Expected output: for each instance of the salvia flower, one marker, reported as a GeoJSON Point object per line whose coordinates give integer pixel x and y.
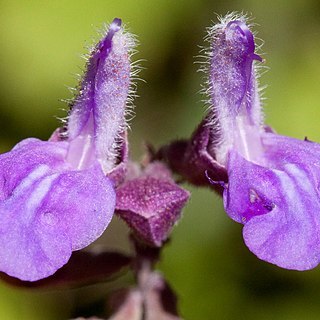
{"type": "Point", "coordinates": [55, 196]}
{"type": "Point", "coordinates": [273, 181]}
{"type": "Point", "coordinates": [270, 183]}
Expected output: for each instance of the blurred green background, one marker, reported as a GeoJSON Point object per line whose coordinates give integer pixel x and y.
{"type": "Point", "coordinates": [214, 274]}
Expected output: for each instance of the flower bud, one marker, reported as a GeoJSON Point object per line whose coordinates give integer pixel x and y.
{"type": "Point", "coordinates": [151, 204]}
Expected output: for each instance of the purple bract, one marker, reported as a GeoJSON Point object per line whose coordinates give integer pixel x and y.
{"type": "Point", "coordinates": [55, 196]}
{"type": "Point", "coordinates": [150, 202]}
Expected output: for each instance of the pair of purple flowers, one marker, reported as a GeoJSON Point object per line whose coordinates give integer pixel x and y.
{"type": "Point", "coordinates": [58, 196]}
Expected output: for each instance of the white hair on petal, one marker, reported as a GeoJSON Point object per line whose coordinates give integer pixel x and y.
{"type": "Point", "coordinates": [131, 43]}
{"type": "Point", "coordinates": [204, 60]}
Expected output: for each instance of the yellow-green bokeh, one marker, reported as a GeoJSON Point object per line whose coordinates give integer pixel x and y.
{"type": "Point", "coordinates": [215, 276]}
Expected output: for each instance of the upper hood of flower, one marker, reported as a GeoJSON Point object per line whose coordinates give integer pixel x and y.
{"type": "Point", "coordinates": [97, 118]}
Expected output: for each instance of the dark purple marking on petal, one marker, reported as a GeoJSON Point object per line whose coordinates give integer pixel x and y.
{"type": "Point", "coordinates": [243, 199]}
{"type": "Point", "coordinates": [245, 31]}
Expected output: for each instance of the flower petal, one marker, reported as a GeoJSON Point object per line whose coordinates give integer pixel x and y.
{"type": "Point", "coordinates": [235, 111]}
{"type": "Point", "coordinates": [25, 157]}
{"type": "Point", "coordinates": [97, 118]}
{"type": "Point", "coordinates": [46, 210]}
{"type": "Point", "coordinates": [280, 150]}
{"type": "Point", "coordinates": [280, 209]}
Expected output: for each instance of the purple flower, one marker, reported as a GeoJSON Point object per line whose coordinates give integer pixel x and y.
{"type": "Point", "coordinates": [55, 196]}
{"type": "Point", "coordinates": [270, 183]}
{"type": "Point", "coordinates": [273, 181]}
